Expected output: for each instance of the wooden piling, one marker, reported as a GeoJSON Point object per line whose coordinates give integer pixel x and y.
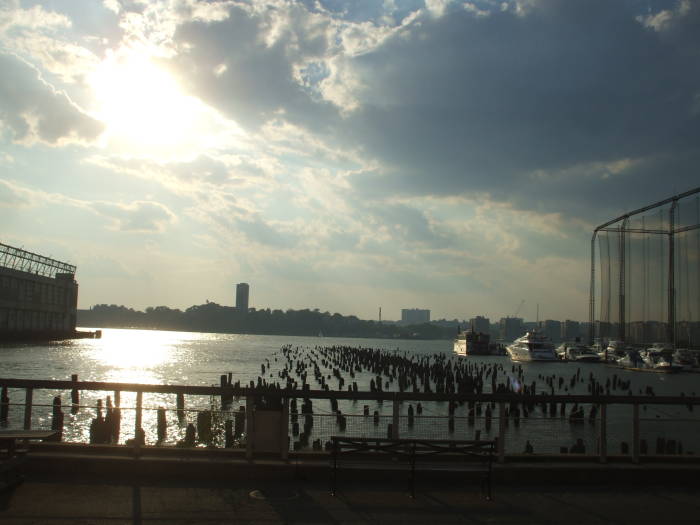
{"type": "Point", "coordinates": [161, 423]}
{"type": "Point", "coordinates": [57, 419]}
{"type": "Point", "coordinates": [74, 395]}
{"type": "Point", "coordinates": [180, 402]}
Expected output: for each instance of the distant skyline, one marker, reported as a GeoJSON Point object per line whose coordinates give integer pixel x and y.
{"type": "Point", "coordinates": [341, 155]}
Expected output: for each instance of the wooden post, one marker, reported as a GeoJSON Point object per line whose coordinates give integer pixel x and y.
{"type": "Point", "coordinates": [501, 432]}
{"type": "Point", "coordinates": [603, 433]}
{"type": "Point", "coordinates": [117, 398]}
{"type": "Point", "coordinates": [635, 433]}
{"type": "Point", "coordinates": [250, 424]}
{"type": "Point", "coordinates": [284, 429]}
{"type": "Point", "coordinates": [396, 409]}
{"type": "Point", "coordinates": [28, 408]}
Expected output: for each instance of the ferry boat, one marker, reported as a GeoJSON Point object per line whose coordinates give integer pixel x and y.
{"type": "Point", "coordinates": [533, 346]}
{"type": "Point", "coordinates": [470, 342]}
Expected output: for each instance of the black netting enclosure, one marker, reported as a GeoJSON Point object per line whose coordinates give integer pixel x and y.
{"type": "Point", "coordinates": [645, 275]}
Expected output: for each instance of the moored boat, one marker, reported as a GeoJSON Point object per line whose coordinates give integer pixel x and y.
{"type": "Point", "coordinates": [533, 346]}
{"type": "Point", "coordinates": [577, 352]}
{"type": "Point", "coordinates": [471, 342]}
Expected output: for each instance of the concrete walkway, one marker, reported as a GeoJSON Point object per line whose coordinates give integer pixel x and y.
{"type": "Point", "coordinates": [49, 501]}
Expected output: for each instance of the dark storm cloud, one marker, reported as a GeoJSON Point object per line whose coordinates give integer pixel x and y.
{"type": "Point", "coordinates": [576, 107]}
{"type": "Point", "coordinates": [244, 67]}
{"type": "Point", "coordinates": [477, 104]}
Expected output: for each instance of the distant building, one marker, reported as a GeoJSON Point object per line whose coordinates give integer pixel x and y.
{"type": "Point", "coordinates": [511, 328]}
{"type": "Point", "coordinates": [480, 324]}
{"type": "Point", "coordinates": [38, 296]}
{"type": "Point", "coordinates": [414, 316]}
{"type": "Point", "coordinates": [552, 329]}
{"type": "Point", "coordinates": [242, 292]}
{"type": "Point", "coordinates": [570, 330]}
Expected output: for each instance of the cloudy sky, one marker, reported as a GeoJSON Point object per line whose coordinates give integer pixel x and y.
{"type": "Point", "coordinates": [341, 155]}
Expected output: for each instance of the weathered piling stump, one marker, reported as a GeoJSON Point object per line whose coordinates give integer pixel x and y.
{"type": "Point", "coordinates": [161, 425]}
{"type": "Point", "coordinates": [228, 432]}
{"type": "Point", "coordinates": [57, 419]}
{"type": "Point", "coordinates": [204, 433]}
{"type": "Point", "coordinates": [74, 395]}
{"type": "Point", "coordinates": [239, 423]}
{"type": "Point", "coordinates": [180, 403]}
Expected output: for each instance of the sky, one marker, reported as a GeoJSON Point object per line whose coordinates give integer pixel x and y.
{"type": "Point", "coordinates": [341, 155]}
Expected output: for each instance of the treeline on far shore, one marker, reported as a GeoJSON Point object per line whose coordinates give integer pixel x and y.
{"type": "Point", "coordinates": [212, 317]}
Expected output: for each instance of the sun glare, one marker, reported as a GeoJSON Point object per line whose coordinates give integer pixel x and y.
{"type": "Point", "coordinates": [145, 110]}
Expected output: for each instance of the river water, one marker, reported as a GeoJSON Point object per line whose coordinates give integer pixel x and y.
{"type": "Point", "coordinates": [162, 357]}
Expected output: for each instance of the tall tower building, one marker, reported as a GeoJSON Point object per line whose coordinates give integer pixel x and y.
{"type": "Point", "coordinates": [242, 291]}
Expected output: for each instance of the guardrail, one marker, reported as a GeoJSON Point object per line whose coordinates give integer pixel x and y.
{"type": "Point", "coordinates": [505, 416]}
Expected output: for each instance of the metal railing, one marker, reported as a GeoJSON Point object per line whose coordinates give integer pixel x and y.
{"type": "Point", "coordinates": [630, 426]}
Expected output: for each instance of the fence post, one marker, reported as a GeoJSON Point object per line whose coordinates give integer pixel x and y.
{"type": "Point", "coordinates": [29, 394]}
{"type": "Point", "coordinates": [250, 424]}
{"type": "Point", "coordinates": [603, 433]}
{"type": "Point", "coordinates": [137, 425]}
{"type": "Point", "coordinates": [635, 433]}
{"type": "Point", "coordinates": [284, 429]}
{"type": "Point", "coordinates": [395, 419]}
{"type": "Point", "coordinates": [501, 432]}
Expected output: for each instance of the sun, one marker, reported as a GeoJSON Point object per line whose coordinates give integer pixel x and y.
{"type": "Point", "coordinates": [145, 111]}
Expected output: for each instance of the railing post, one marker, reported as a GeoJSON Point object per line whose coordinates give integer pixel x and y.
{"type": "Point", "coordinates": [137, 424]}
{"type": "Point", "coordinates": [250, 424]}
{"type": "Point", "coordinates": [396, 409]}
{"type": "Point", "coordinates": [635, 433]}
{"type": "Point", "coordinates": [29, 394]}
{"type": "Point", "coordinates": [603, 433]}
{"type": "Point", "coordinates": [501, 432]}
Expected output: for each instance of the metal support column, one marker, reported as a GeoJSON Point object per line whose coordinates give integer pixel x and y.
{"type": "Point", "coordinates": [671, 274]}
{"type": "Point", "coordinates": [635, 433]}
{"type": "Point", "coordinates": [29, 394]}
{"type": "Point", "coordinates": [395, 419]}
{"type": "Point", "coordinates": [603, 433]}
{"type": "Point", "coordinates": [501, 432]}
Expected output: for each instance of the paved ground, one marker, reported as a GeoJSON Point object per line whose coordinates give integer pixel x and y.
{"type": "Point", "coordinates": [49, 501]}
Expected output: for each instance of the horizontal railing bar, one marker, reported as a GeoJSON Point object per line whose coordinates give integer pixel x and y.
{"type": "Point", "coordinates": [48, 384]}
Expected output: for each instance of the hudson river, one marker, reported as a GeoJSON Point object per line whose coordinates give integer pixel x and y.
{"type": "Point", "coordinates": [145, 356]}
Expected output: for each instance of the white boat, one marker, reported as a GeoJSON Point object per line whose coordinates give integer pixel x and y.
{"type": "Point", "coordinates": [577, 352]}
{"type": "Point", "coordinates": [686, 358]}
{"type": "Point", "coordinates": [614, 351]}
{"type": "Point", "coordinates": [631, 359]}
{"type": "Point", "coordinates": [659, 357]}
{"type": "Point", "coordinates": [533, 346]}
